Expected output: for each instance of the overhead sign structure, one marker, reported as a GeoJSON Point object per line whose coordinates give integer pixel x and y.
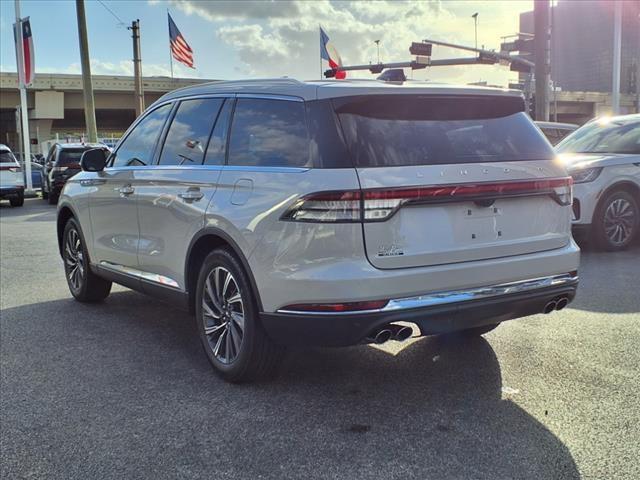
{"type": "Point", "coordinates": [422, 51]}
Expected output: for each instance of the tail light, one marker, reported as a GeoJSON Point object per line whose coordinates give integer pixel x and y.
{"type": "Point", "coordinates": [12, 169]}
{"type": "Point", "coordinates": [380, 204]}
{"type": "Point", "coordinates": [335, 207]}
{"type": "Point", "coordinates": [59, 169]}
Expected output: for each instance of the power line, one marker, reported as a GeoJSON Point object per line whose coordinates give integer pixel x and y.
{"type": "Point", "coordinates": [120, 22]}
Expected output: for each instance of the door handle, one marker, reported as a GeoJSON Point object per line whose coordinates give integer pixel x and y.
{"type": "Point", "coordinates": [126, 190]}
{"type": "Point", "coordinates": [191, 195]}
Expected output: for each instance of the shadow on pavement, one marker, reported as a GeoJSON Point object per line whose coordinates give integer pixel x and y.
{"type": "Point", "coordinates": [33, 210]}
{"type": "Point", "coordinates": [612, 280]}
{"type": "Point", "coordinates": [123, 389]}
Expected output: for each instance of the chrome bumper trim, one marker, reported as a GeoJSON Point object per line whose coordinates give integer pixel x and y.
{"type": "Point", "coordinates": [458, 296]}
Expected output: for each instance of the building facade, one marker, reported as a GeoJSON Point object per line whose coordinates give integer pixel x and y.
{"type": "Point", "coordinates": [582, 44]}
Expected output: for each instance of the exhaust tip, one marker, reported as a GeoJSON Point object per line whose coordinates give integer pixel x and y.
{"type": "Point", "coordinates": [561, 303]}
{"type": "Point", "coordinates": [403, 333]}
{"type": "Point", "coordinates": [549, 307]}
{"type": "Point", "coordinates": [382, 336]}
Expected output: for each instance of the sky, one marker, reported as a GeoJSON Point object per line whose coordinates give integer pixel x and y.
{"type": "Point", "coordinates": [254, 39]}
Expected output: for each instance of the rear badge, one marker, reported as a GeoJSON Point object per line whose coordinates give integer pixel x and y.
{"type": "Point", "coordinates": [390, 251]}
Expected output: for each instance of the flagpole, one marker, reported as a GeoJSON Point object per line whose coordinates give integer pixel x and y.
{"type": "Point", "coordinates": [319, 29]}
{"type": "Point", "coordinates": [24, 114]}
{"type": "Point", "coordinates": [170, 54]}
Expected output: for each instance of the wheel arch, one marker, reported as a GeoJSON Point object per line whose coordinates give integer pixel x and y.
{"type": "Point", "coordinates": [201, 245]}
{"type": "Point", "coordinates": [64, 214]}
{"type": "Point", "coordinates": [621, 185]}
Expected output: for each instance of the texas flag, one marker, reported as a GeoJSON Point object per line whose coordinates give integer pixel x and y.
{"type": "Point", "coordinates": [329, 53]}
{"type": "Point", "coordinates": [26, 65]}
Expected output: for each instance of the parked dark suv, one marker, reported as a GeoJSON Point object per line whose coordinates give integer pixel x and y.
{"type": "Point", "coordinates": [62, 163]}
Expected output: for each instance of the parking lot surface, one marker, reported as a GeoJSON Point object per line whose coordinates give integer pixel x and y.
{"type": "Point", "coordinates": [123, 390]}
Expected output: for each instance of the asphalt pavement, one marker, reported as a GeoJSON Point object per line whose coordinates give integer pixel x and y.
{"type": "Point", "coordinates": [123, 389]}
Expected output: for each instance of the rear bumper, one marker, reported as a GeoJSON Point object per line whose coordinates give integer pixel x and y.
{"type": "Point", "coordinates": [437, 313]}
{"type": "Point", "coordinates": [11, 191]}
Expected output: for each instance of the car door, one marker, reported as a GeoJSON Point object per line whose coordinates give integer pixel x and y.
{"type": "Point", "coordinates": [113, 200]}
{"type": "Point", "coordinates": [173, 194]}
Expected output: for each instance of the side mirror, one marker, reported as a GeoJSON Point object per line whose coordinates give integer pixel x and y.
{"type": "Point", "coordinates": [94, 160]}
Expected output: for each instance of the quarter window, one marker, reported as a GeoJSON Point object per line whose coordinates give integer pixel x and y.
{"type": "Point", "coordinates": [269, 133]}
{"type": "Point", "coordinates": [137, 149]}
{"type": "Point", "coordinates": [189, 132]}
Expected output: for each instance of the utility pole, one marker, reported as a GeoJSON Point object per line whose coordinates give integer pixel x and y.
{"type": "Point", "coordinates": [377, 42]}
{"type": "Point", "coordinates": [24, 114]}
{"type": "Point", "coordinates": [475, 22]}
{"type": "Point", "coordinates": [87, 87]}
{"type": "Point", "coordinates": [617, 43]}
{"type": "Point", "coordinates": [137, 67]}
{"type": "Point", "coordinates": [541, 49]}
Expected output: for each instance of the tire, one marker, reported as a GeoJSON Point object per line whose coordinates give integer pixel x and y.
{"type": "Point", "coordinates": [17, 201]}
{"type": "Point", "coordinates": [83, 284]}
{"type": "Point", "coordinates": [45, 191]}
{"type": "Point", "coordinates": [52, 198]}
{"type": "Point", "coordinates": [228, 322]}
{"type": "Point", "coordinates": [616, 221]}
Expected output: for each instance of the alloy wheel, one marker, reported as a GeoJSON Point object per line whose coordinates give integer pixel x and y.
{"type": "Point", "coordinates": [619, 220]}
{"type": "Point", "coordinates": [74, 259]}
{"type": "Point", "coordinates": [223, 314]}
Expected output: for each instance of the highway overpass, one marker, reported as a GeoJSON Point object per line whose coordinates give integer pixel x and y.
{"type": "Point", "coordinates": [56, 105]}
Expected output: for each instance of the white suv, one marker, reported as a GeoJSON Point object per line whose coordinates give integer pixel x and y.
{"type": "Point", "coordinates": [11, 178]}
{"type": "Point", "coordinates": [322, 213]}
{"type": "Point", "coordinates": [603, 157]}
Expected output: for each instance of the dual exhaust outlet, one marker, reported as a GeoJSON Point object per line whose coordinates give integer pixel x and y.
{"type": "Point", "coordinates": [401, 333]}
{"type": "Point", "coordinates": [557, 304]}
{"type": "Point", "coordinates": [392, 331]}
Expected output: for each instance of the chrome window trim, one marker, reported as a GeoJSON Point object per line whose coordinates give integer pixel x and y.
{"type": "Point", "coordinates": [216, 168]}
{"type": "Point", "coordinates": [458, 296]}
{"type": "Point", "coordinates": [151, 277]}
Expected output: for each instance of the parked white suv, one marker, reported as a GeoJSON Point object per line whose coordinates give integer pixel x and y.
{"type": "Point", "coordinates": [322, 213]}
{"type": "Point", "coordinates": [11, 178]}
{"type": "Point", "coordinates": [603, 157]}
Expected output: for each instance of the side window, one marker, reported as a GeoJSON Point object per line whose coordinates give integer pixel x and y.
{"type": "Point", "coordinates": [189, 132]}
{"type": "Point", "coordinates": [217, 148]}
{"type": "Point", "coordinates": [137, 149]}
{"type": "Point", "coordinates": [269, 133]}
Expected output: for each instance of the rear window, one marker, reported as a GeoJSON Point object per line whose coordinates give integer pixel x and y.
{"type": "Point", "coordinates": [6, 157]}
{"type": "Point", "coordinates": [69, 156]}
{"type": "Point", "coordinates": [387, 131]}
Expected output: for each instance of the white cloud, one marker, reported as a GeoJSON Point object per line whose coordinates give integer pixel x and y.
{"type": "Point", "coordinates": [281, 38]}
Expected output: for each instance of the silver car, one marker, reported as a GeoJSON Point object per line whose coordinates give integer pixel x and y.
{"type": "Point", "coordinates": [323, 213]}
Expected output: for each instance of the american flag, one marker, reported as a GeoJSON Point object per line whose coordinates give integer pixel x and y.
{"type": "Point", "coordinates": [180, 49]}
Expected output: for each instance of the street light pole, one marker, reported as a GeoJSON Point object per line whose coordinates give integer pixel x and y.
{"type": "Point", "coordinates": [24, 114]}
{"type": "Point", "coordinates": [617, 43]}
{"type": "Point", "coordinates": [377, 42]}
{"type": "Point", "coordinates": [475, 21]}
{"type": "Point", "coordinates": [541, 52]}
{"type": "Point", "coordinates": [87, 87]}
